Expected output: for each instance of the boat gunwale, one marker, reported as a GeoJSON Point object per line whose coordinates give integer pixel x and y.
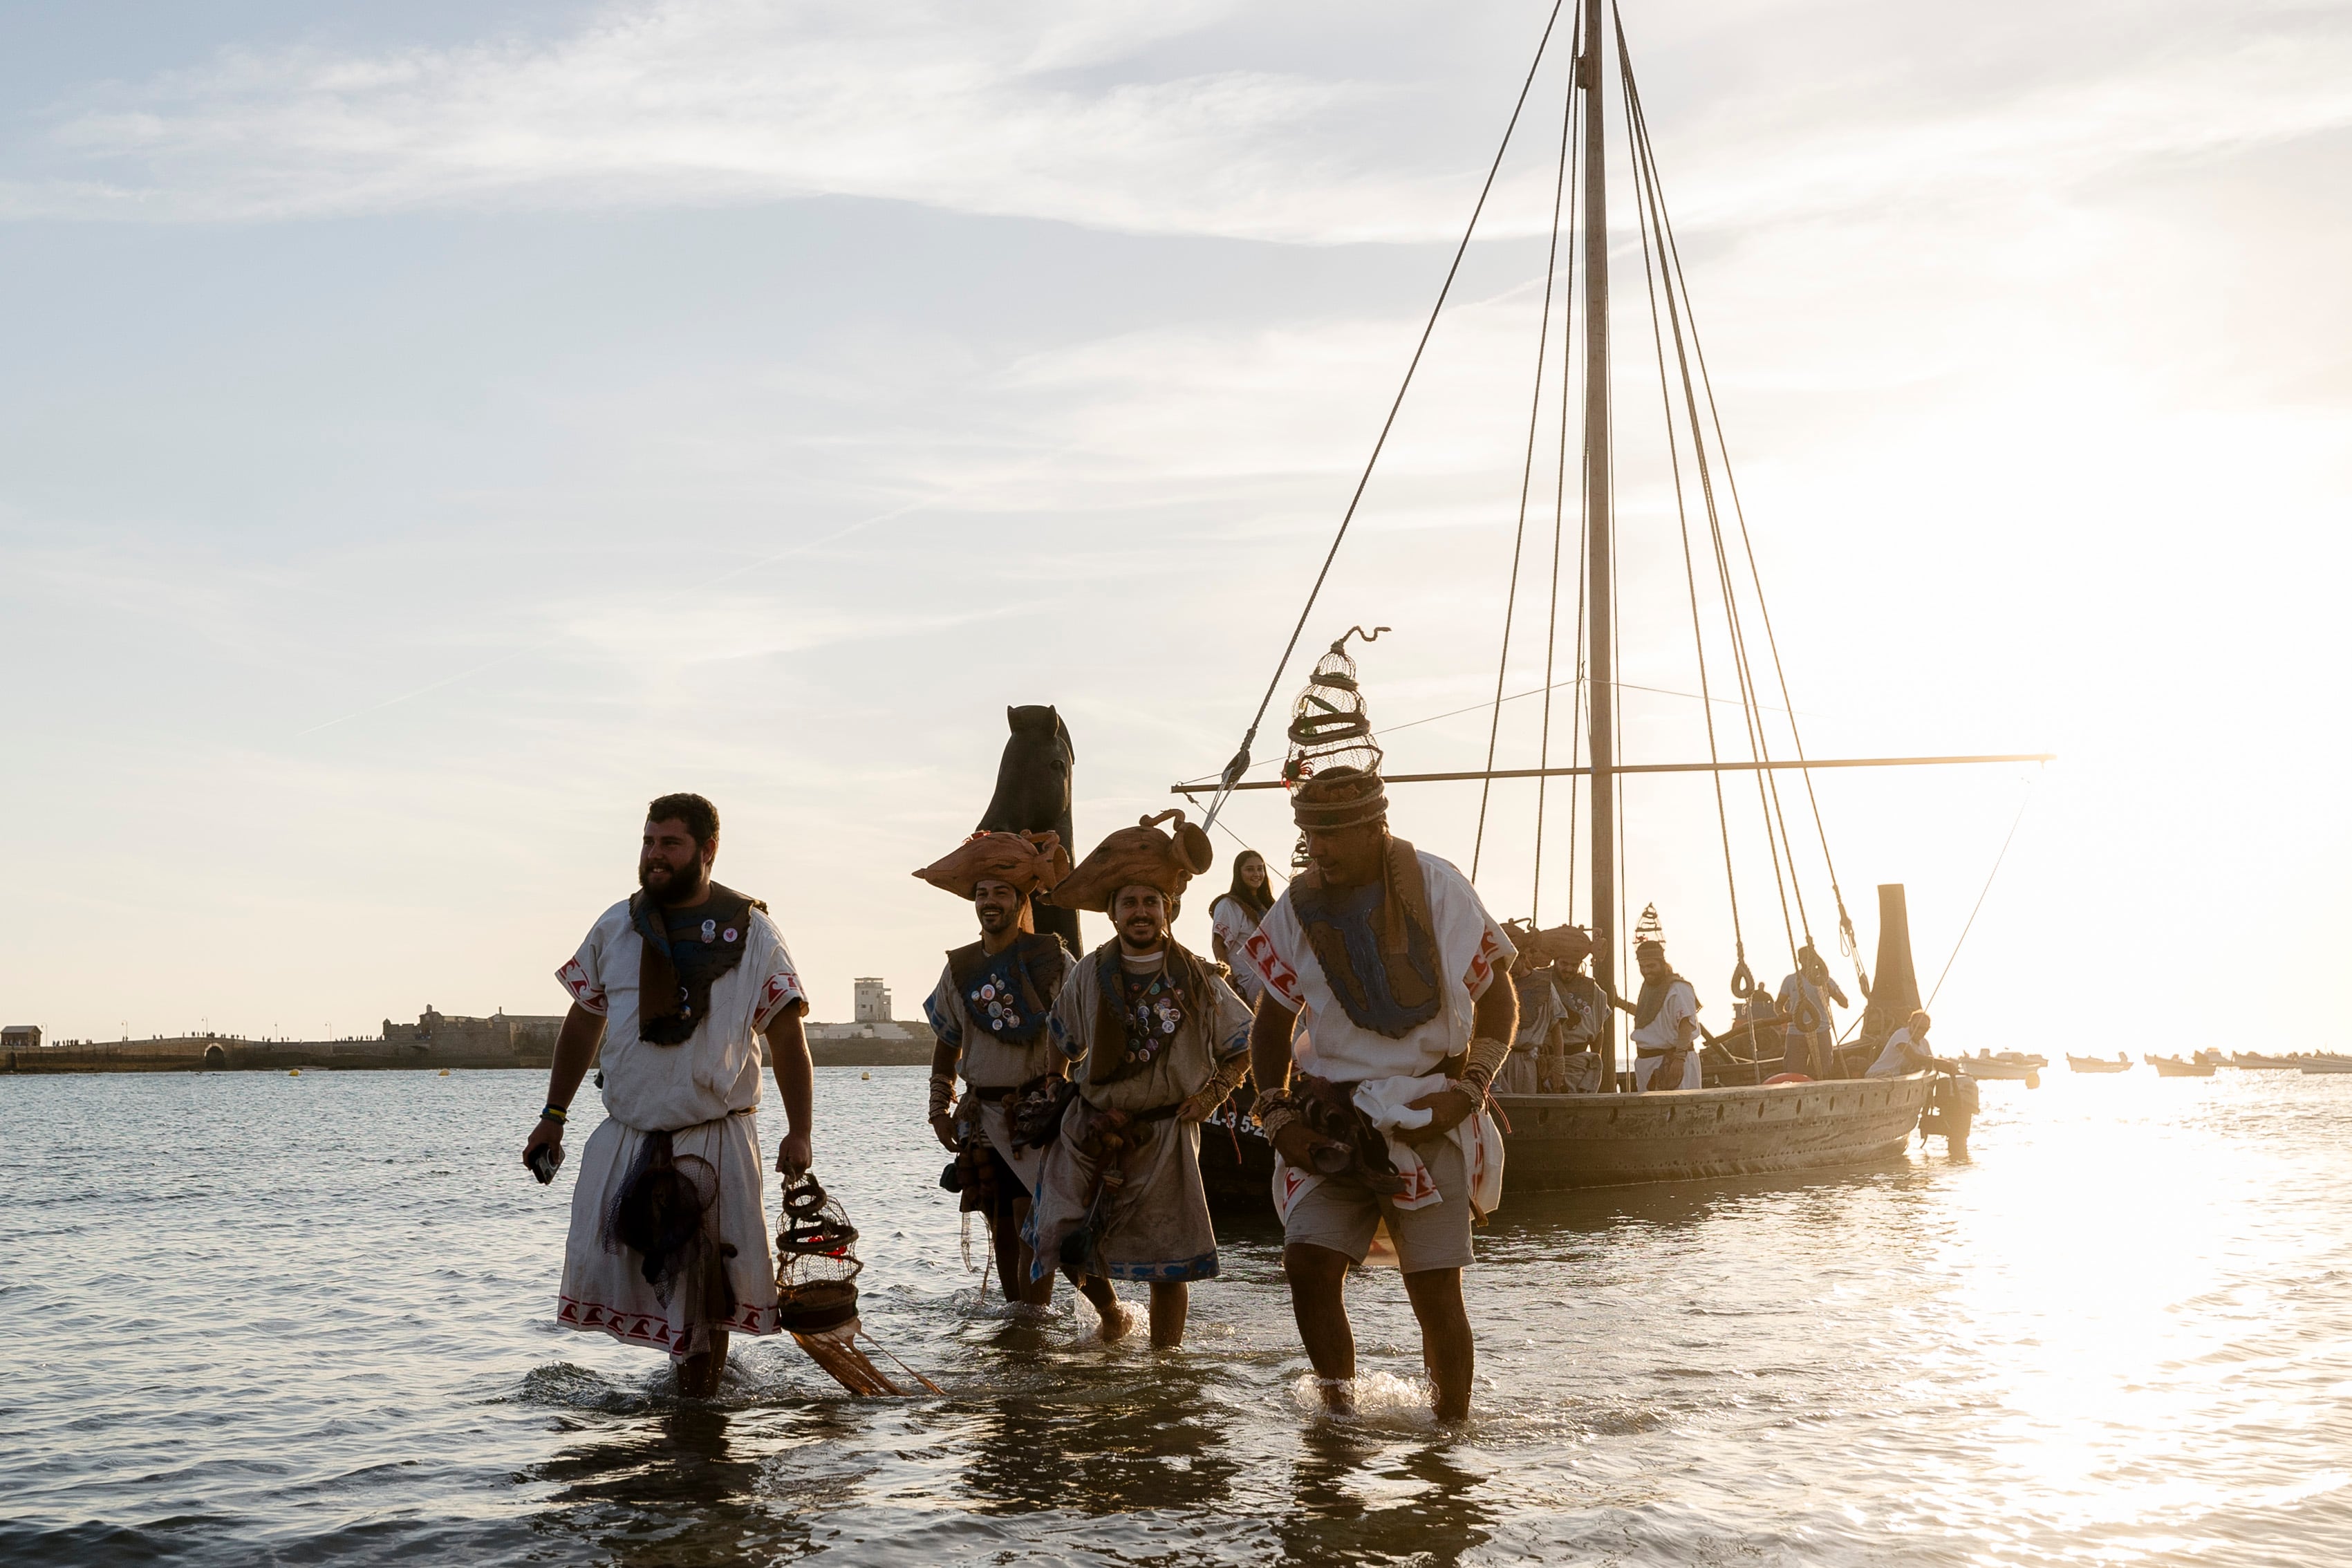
{"type": "Point", "coordinates": [1730, 1091]}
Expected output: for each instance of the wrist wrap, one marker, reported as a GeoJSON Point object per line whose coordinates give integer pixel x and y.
{"type": "Point", "coordinates": [1486, 1059]}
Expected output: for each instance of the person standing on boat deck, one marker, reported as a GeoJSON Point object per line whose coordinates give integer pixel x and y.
{"type": "Point", "coordinates": [1157, 1043]}
{"type": "Point", "coordinates": [1381, 968]}
{"type": "Point", "coordinates": [1534, 978]}
{"type": "Point", "coordinates": [668, 1245]}
{"type": "Point", "coordinates": [1665, 1024]}
{"type": "Point", "coordinates": [1234, 919]}
{"type": "Point", "coordinates": [989, 1013]}
{"type": "Point", "coordinates": [1811, 1035]}
{"type": "Point", "coordinates": [1585, 1014]}
{"type": "Point", "coordinates": [1562, 1011]}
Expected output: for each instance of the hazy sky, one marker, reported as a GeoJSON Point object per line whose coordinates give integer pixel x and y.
{"type": "Point", "coordinates": [428, 431]}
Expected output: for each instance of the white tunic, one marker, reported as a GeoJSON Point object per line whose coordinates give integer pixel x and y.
{"type": "Point", "coordinates": [1662, 1033]}
{"type": "Point", "coordinates": [1471, 948]}
{"type": "Point", "coordinates": [1230, 918]}
{"type": "Point", "coordinates": [1900, 1054]}
{"type": "Point", "coordinates": [1471, 951]}
{"type": "Point", "coordinates": [704, 1092]}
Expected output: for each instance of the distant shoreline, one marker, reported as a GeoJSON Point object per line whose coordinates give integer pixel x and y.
{"type": "Point", "coordinates": [369, 1055]}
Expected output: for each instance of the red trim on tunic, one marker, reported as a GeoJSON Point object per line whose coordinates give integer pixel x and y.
{"type": "Point", "coordinates": [645, 1329]}
{"type": "Point", "coordinates": [778, 992]}
{"type": "Point", "coordinates": [589, 994]}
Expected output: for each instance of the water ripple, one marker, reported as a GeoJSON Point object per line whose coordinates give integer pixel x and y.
{"type": "Point", "coordinates": [313, 1327]}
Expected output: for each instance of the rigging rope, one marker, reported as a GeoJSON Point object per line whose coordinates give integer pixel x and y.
{"type": "Point", "coordinates": [1558, 518]}
{"type": "Point", "coordinates": [1980, 894]}
{"type": "Point", "coordinates": [1526, 478]}
{"type": "Point", "coordinates": [1239, 763]}
{"type": "Point", "coordinates": [1848, 944]}
{"type": "Point", "coordinates": [1690, 577]}
{"type": "Point", "coordinates": [1778, 843]}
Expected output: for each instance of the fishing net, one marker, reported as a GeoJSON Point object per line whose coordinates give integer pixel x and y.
{"type": "Point", "coordinates": [817, 1292]}
{"type": "Point", "coordinates": [666, 1211]}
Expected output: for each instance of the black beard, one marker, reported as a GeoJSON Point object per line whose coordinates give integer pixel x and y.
{"type": "Point", "coordinates": [671, 894]}
{"type": "Point", "coordinates": [1156, 940]}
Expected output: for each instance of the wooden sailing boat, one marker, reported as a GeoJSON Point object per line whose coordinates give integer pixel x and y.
{"type": "Point", "coordinates": [1739, 1125]}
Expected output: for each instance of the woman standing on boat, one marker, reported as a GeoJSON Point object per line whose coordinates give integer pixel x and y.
{"type": "Point", "coordinates": [1234, 919]}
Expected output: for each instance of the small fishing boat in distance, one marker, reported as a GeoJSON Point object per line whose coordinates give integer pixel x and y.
{"type": "Point", "coordinates": [2315, 1065]}
{"type": "Point", "coordinates": [2018, 1067]}
{"type": "Point", "coordinates": [2249, 1061]}
{"type": "Point", "coordinates": [2173, 1067]}
{"type": "Point", "coordinates": [2099, 1064]}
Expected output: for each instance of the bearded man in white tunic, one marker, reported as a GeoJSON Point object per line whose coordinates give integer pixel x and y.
{"type": "Point", "coordinates": [668, 1247]}
{"type": "Point", "coordinates": [1386, 990]}
{"type": "Point", "coordinates": [1666, 1020]}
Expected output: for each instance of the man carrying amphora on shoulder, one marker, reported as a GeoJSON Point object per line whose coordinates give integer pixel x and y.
{"type": "Point", "coordinates": [1156, 1042]}
{"type": "Point", "coordinates": [669, 1246]}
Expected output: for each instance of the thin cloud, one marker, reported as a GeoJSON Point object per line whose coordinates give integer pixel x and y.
{"type": "Point", "coordinates": [1061, 114]}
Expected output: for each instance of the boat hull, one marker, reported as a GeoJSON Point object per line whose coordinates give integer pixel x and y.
{"type": "Point", "coordinates": [1558, 1142]}
{"type": "Point", "coordinates": [2165, 1069]}
{"type": "Point", "coordinates": [2097, 1064]}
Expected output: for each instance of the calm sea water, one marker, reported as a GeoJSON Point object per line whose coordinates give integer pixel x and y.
{"type": "Point", "coordinates": [256, 1319]}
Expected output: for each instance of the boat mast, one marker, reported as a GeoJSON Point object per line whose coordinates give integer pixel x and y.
{"type": "Point", "coordinates": [1599, 576]}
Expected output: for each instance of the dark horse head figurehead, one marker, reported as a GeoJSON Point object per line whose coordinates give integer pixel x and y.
{"type": "Point", "coordinates": [1033, 794]}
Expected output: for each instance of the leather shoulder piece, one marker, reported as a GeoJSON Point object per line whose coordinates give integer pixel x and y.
{"type": "Point", "coordinates": [1410, 882]}
{"type": "Point", "coordinates": [1039, 947]}
{"type": "Point", "coordinates": [965, 963]}
{"type": "Point", "coordinates": [735, 903]}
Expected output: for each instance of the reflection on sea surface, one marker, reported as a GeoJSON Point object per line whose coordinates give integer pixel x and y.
{"type": "Point", "coordinates": [2123, 1334]}
{"type": "Point", "coordinates": [1359, 1502]}
{"type": "Point", "coordinates": [669, 1490]}
{"type": "Point", "coordinates": [1103, 1450]}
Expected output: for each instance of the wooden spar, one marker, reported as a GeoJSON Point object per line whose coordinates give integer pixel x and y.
{"type": "Point", "coordinates": [1661, 768]}
{"type": "Point", "coordinates": [1601, 577]}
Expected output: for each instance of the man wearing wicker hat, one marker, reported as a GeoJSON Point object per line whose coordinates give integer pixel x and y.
{"type": "Point", "coordinates": [1157, 1042]}
{"type": "Point", "coordinates": [989, 1013]}
{"type": "Point", "coordinates": [1381, 970]}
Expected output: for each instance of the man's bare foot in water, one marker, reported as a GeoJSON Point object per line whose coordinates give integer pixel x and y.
{"type": "Point", "coordinates": [1116, 1318]}
{"type": "Point", "coordinates": [1339, 1395]}
{"type": "Point", "coordinates": [698, 1374]}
